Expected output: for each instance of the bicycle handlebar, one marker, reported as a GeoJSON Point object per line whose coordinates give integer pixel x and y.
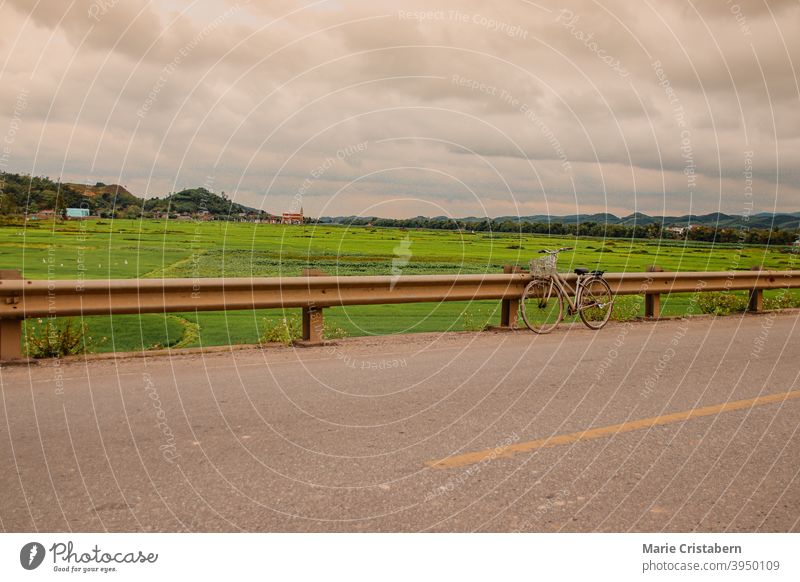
{"type": "Point", "coordinates": [555, 252]}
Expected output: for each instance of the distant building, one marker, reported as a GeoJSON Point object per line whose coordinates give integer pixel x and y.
{"type": "Point", "coordinates": [680, 230]}
{"type": "Point", "coordinates": [77, 213]}
{"type": "Point", "coordinates": [292, 218]}
{"type": "Point", "coordinates": [42, 215]}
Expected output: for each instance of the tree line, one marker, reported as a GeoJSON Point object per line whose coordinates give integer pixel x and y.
{"type": "Point", "coordinates": [706, 233]}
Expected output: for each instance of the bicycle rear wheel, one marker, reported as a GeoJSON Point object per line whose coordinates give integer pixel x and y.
{"type": "Point", "coordinates": [541, 306]}
{"type": "Point", "coordinates": [595, 302]}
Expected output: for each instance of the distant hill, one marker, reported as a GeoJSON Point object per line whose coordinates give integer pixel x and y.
{"type": "Point", "coordinates": [31, 194]}
{"type": "Point", "coordinates": [25, 194]}
{"type": "Point", "coordinates": [194, 200]}
{"type": "Point", "coordinates": [104, 196]}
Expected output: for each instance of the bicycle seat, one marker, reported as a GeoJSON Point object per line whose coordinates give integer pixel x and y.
{"type": "Point", "coordinates": [581, 271]}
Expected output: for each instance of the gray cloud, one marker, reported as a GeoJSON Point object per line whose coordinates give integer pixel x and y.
{"type": "Point", "coordinates": [522, 103]}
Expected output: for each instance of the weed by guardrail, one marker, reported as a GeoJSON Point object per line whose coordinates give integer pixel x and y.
{"type": "Point", "coordinates": [721, 303]}
{"type": "Point", "coordinates": [332, 331]}
{"type": "Point", "coordinates": [784, 300]}
{"type": "Point", "coordinates": [288, 330]}
{"type": "Point", "coordinates": [476, 320]}
{"type": "Point", "coordinates": [283, 331]}
{"type": "Point", "coordinates": [627, 308]}
{"type": "Point", "coordinates": [48, 339]}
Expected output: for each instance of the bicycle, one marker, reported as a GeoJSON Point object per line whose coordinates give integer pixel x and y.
{"type": "Point", "coordinates": [542, 303]}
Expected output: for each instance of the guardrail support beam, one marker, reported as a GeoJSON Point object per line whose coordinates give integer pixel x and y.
{"type": "Point", "coordinates": [313, 325]}
{"type": "Point", "coordinates": [652, 305]}
{"type": "Point", "coordinates": [509, 308]}
{"type": "Point", "coordinates": [10, 328]}
{"type": "Point", "coordinates": [755, 301]}
{"type": "Point", "coordinates": [652, 301]}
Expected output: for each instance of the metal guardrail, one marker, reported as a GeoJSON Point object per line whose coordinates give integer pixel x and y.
{"type": "Point", "coordinates": [24, 298]}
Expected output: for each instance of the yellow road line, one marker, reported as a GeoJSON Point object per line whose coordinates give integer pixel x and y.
{"type": "Point", "coordinates": [596, 433]}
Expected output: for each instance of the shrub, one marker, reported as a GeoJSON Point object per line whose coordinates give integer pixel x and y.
{"type": "Point", "coordinates": [723, 303]}
{"type": "Point", "coordinates": [48, 339]}
{"type": "Point", "coordinates": [290, 329]}
{"type": "Point", "coordinates": [283, 331]}
{"type": "Point", "coordinates": [627, 308]}
{"type": "Point", "coordinates": [782, 300]}
{"type": "Point", "coordinates": [332, 331]}
{"type": "Point", "coordinates": [624, 309]}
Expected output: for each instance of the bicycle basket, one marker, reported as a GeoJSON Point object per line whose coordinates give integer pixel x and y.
{"type": "Point", "coordinates": [544, 266]}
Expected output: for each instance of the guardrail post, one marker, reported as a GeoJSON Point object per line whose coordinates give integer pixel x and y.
{"type": "Point", "coordinates": [755, 301]}
{"type": "Point", "coordinates": [313, 325]}
{"type": "Point", "coordinates": [10, 328]}
{"type": "Point", "coordinates": [313, 322]}
{"type": "Point", "coordinates": [509, 308]}
{"type": "Point", "coordinates": [652, 301]}
{"type": "Point", "coordinates": [652, 305]}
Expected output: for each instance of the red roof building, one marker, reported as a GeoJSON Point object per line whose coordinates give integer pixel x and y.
{"type": "Point", "coordinates": [292, 218]}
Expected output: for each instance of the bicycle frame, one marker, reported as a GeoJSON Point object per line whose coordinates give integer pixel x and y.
{"type": "Point", "coordinates": [567, 290]}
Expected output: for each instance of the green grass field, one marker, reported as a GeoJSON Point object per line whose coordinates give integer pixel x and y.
{"type": "Point", "coordinates": [132, 248]}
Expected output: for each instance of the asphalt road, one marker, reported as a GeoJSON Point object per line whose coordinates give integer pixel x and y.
{"type": "Point", "coordinates": [668, 426]}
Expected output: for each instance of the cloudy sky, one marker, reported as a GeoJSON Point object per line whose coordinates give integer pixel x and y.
{"type": "Point", "coordinates": [404, 108]}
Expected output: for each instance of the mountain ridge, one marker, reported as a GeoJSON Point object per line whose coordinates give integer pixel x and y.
{"type": "Point", "coordinates": [780, 220]}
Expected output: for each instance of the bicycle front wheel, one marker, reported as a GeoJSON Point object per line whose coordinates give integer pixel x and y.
{"type": "Point", "coordinates": [595, 302]}
{"type": "Point", "coordinates": [541, 306]}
